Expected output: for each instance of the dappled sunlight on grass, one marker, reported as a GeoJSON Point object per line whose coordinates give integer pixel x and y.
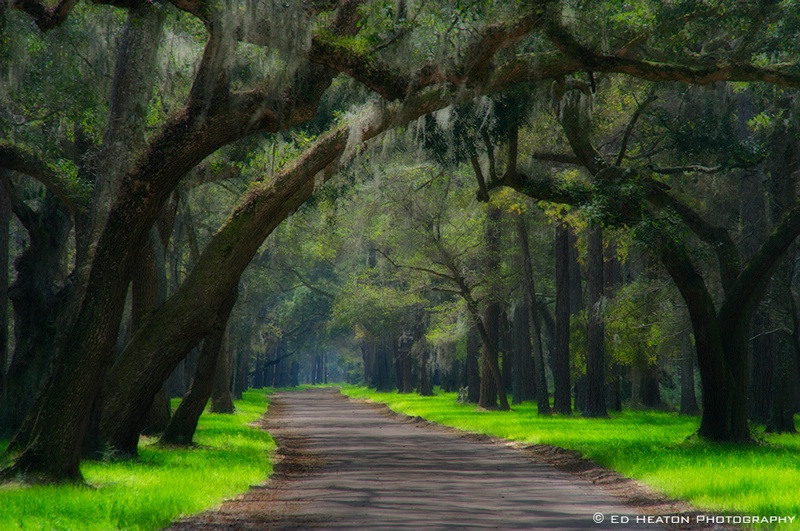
{"type": "Point", "coordinates": [149, 492]}
{"type": "Point", "coordinates": [652, 446]}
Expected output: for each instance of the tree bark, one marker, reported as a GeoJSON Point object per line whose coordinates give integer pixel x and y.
{"type": "Point", "coordinates": [781, 414]}
{"type": "Point", "coordinates": [762, 349]}
{"type": "Point", "coordinates": [560, 359]}
{"type": "Point", "coordinates": [148, 292]}
{"type": "Point", "coordinates": [505, 349]}
{"type": "Point", "coordinates": [576, 303]}
{"type": "Point", "coordinates": [491, 376]}
{"type": "Point", "coordinates": [492, 382]}
{"type": "Point", "coordinates": [473, 377]}
{"type": "Point", "coordinates": [385, 377]}
{"type": "Point", "coordinates": [221, 396]}
{"type": "Point", "coordinates": [534, 323]}
{"type": "Point", "coordinates": [688, 397]}
{"type": "Point", "coordinates": [523, 377]}
{"type": "Point", "coordinates": [646, 391]}
{"type": "Point", "coordinates": [368, 360]}
{"type": "Point", "coordinates": [613, 389]}
{"type": "Point", "coordinates": [612, 280]}
{"type": "Point", "coordinates": [595, 350]}
{"type": "Point", "coordinates": [722, 419]}
{"type": "Point", "coordinates": [5, 221]}
{"type": "Point", "coordinates": [782, 190]}
{"type": "Point", "coordinates": [783, 355]}
{"type": "Point", "coordinates": [159, 414]}
{"type": "Point", "coordinates": [241, 380]}
{"type": "Point", "coordinates": [39, 302]}
{"type": "Point", "coordinates": [402, 350]}
{"type": "Point", "coordinates": [183, 424]}
{"type": "Point", "coordinates": [425, 386]}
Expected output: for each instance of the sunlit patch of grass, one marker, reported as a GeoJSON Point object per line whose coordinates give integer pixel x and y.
{"type": "Point", "coordinates": [156, 488]}
{"type": "Point", "coordinates": [652, 446]}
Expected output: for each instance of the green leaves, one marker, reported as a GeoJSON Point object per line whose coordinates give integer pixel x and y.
{"type": "Point", "coordinates": [371, 308]}
{"type": "Point", "coordinates": [640, 320]}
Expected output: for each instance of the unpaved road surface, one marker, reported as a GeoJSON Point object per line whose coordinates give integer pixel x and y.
{"type": "Point", "coordinates": [350, 465]}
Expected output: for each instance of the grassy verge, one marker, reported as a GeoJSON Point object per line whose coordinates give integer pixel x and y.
{"type": "Point", "coordinates": [654, 447]}
{"type": "Point", "coordinates": [162, 484]}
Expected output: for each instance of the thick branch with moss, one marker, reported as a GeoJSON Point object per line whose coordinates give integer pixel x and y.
{"type": "Point", "coordinates": [700, 71]}
{"type": "Point", "coordinates": [72, 192]}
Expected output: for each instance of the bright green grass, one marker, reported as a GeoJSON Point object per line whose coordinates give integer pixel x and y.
{"type": "Point", "coordinates": [156, 488]}
{"type": "Point", "coordinates": [654, 447]}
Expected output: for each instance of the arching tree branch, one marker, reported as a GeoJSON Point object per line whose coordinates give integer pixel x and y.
{"type": "Point", "coordinates": [17, 158]}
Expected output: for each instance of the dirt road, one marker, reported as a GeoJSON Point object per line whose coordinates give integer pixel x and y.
{"type": "Point", "coordinates": [349, 465]}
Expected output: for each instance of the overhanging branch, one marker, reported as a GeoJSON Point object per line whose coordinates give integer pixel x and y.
{"type": "Point", "coordinates": [22, 160]}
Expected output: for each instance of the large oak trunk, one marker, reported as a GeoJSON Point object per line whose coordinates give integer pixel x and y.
{"type": "Point", "coordinates": [719, 349]}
